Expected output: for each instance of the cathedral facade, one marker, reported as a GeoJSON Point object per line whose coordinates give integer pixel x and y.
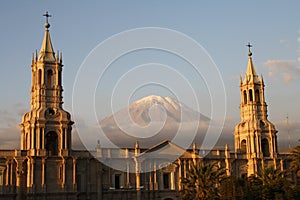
{"type": "Point", "coordinates": [46, 167]}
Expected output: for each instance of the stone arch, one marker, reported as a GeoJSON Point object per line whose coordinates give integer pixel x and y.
{"type": "Point", "coordinates": [245, 96]}
{"type": "Point", "coordinates": [257, 96]}
{"type": "Point", "coordinates": [244, 146]}
{"type": "Point", "coordinates": [51, 143]}
{"type": "Point", "coordinates": [250, 95]}
{"type": "Point", "coordinates": [168, 198]}
{"type": "Point", "coordinates": [265, 147]}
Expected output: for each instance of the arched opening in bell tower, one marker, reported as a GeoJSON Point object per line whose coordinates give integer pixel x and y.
{"type": "Point", "coordinates": [265, 147]}
{"type": "Point", "coordinates": [250, 95]}
{"type": "Point", "coordinates": [51, 143]}
{"type": "Point", "coordinates": [49, 78]}
{"type": "Point", "coordinates": [40, 77]}
{"type": "Point", "coordinates": [245, 96]}
{"type": "Point", "coordinates": [243, 146]}
{"type": "Point", "coordinates": [257, 99]}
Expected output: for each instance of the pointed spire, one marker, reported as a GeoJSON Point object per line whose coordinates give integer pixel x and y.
{"type": "Point", "coordinates": [46, 52]}
{"type": "Point", "coordinates": [262, 79]}
{"type": "Point", "coordinates": [32, 59]}
{"type": "Point", "coordinates": [60, 58]}
{"type": "Point", "coordinates": [227, 152]}
{"type": "Point", "coordinates": [98, 144]}
{"type": "Point", "coordinates": [195, 151]}
{"type": "Point", "coordinates": [126, 153]}
{"type": "Point", "coordinates": [57, 56]}
{"type": "Point", "coordinates": [195, 147]}
{"type": "Point", "coordinates": [137, 146]}
{"type": "Point", "coordinates": [251, 74]}
{"type": "Point", "coordinates": [241, 80]}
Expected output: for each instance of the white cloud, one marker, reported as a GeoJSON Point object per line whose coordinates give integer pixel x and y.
{"type": "Point", "coordinates": [286, 77]}
{"type": "Point", "coordinates": [282, 41]}
{"type": "Point", "coordinates": [271, 74]}
{"type": "Point", "coordinates": [286, 69]}
{"type": "Point", "coordinates": [298, 39]}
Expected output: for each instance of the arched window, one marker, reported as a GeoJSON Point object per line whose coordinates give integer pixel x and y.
{"type": "Point", "coordinates": [243, 146]}
{"type": "Point", "coordinates": [51, 143]}
{"type": "Point", "coordinates": [40, 77]}
{"type": "Point", "coordinates": [265, 147]}
{"type": "Point", "coordinates": [250, 95]}
{"type": "Point", "coordinates": [257, 99]}
{"type": "Point", "coordinates": [245, 96]}
{"type": "Point", "coordinates": [49, 78]}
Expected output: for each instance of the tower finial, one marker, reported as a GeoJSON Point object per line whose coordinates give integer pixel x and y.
{"type": "Point", "coordinates": [47, 25]}
{"type": "Point", "coordinates": [249, 51]}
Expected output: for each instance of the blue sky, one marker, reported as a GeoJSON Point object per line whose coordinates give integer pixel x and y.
{"type": "Point", "coordinates": [223, 28]}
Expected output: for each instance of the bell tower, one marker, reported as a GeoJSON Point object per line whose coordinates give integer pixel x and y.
{"type": "Point", "coordinates": [46, 128]}
{"type": "Point", "coordinates": [255, 135]}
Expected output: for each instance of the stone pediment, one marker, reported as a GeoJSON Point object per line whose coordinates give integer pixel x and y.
{"type": "Point", "coordinates": [166, 150]}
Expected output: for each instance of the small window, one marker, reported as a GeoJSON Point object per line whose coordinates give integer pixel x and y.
{"type": "Point", "coordinates": [51, 111]}
{"type": "Point", "coordinates": [244, 175]}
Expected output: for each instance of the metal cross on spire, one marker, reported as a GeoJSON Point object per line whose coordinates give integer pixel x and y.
{"type": "Point", "coordinates": [47, 25]}
{"type": "Point", "coordinates": [47, 16]}
{"type": "Point", "coordinates": [249, 46]}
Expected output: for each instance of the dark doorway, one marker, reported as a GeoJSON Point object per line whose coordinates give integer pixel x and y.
{"type": "Point", "coordinates": [51, 143]}
{"type": "Point", "coordinates": [117, 181]}
{"type": "Point", "coordinates": [166, 179]}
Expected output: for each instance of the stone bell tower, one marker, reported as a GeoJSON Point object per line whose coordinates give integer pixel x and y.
{"type": "Point", "coordinates": [255, 135]}
{"type": "Point", "coordinates": [46, 128]}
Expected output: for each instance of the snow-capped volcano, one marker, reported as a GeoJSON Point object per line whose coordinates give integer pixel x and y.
{"type": "Point", "coordinates": [154, 109]}
{"type": "Point", "coordinates": [152, 119]}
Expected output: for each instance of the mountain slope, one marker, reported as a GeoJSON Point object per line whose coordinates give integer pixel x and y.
{"type": "Point", "coordinates": [154, 109]}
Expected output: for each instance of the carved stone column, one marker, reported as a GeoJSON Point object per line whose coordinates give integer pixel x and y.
{"type": "Point", "coordinates": [20, 179]}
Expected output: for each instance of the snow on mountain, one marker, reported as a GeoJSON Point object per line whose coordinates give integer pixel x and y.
{"type": "Point", "coordinates": [153, 119]}
{"type": "Point", "coordinates": [154, 109]}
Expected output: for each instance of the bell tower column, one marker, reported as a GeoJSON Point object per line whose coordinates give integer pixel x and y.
{"type": "Point", "coordinates": [46, 128]}
{"type": "Point", "coordinates": [255, 135]}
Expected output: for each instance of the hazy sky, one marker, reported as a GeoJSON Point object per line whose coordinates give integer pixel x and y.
{"type": "Point", "coordinates": [223, 28]}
